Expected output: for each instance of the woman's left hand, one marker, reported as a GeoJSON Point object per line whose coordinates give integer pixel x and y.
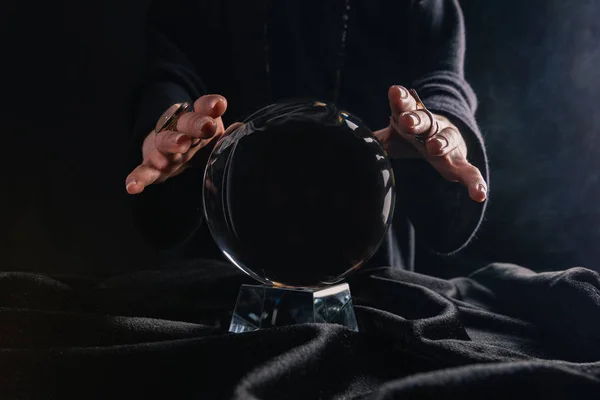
{"type": "Point", "coordinates": [445, 150]}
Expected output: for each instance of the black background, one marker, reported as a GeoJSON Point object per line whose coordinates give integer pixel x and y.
{"type": "Point", "coordinates": [534, 65]}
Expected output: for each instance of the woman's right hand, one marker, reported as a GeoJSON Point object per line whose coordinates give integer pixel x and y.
{"type": "Point", "coordinates": [171, 151]}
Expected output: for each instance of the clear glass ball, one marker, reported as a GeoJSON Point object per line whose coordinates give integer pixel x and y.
{"type": "Point", "coordinates": [300, 195]}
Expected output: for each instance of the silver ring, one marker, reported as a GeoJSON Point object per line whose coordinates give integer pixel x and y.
{"type": "Point", "coordinates": [168, 119]}
{"type": "Point", "coordinates": [433, 130]}
{"type": "Point", "coordinates": [434, 127]}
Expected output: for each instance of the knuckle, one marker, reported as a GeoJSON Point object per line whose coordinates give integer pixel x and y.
{"type": "Point", "coordinates": [199, 103]}
{"type": "Point", "coordinates": [204, 103]}
{"type": "Point", "coordinates": [452, 134]}
{"type": "Point", "coordinates": [163, 137]}
{"type": "Point", "coordinates": [187, 122]}
{"type": "Point", "coordinates": [159, 162]}
{"type": "Point", "coordinates": [424, 119]}
{"type": "Point", "coordinates": [165, 141]}
{"type": "Point", "coordinates": [183, 122]}
{"type": "Point", "coordinates": [451, 131]}
{"type": "Point", "coordinates": [171, 140]}
{"type": "Point", "coordinates": [200, 122]}
{"type": "Point", "coordinates": [449, 138]}
{"type": "Point", "coordinates": [407, 104]}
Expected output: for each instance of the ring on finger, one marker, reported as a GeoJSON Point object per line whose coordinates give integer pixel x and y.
{"type": "Point", "coordinates": [168, 119]}
{"type": "Point", "coordinates": [434, 127]}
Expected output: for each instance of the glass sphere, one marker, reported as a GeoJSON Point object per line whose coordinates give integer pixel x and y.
{"type": "Point", "coordinates": [300, 195]}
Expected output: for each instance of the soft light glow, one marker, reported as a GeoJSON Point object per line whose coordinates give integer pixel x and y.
{"type": "Point", "coordinates": [386, 177]}
{"type": "Point", "coordinates": [387, 205]}
{"type": "Point", "coordinates": [351, 125]}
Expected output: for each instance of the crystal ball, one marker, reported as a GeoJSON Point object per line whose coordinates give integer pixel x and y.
{"type": "Point", "coordinates": [301, 194]}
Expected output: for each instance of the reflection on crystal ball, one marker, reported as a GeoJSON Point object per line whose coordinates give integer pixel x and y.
{"type": "Point", "coordinates": [300, 195]}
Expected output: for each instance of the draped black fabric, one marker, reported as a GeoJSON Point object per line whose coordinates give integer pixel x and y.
{"type": "Point", "coordinates": [503, 331]}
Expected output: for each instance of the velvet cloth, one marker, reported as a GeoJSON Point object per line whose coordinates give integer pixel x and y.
{"type": "Point", "coordinates": [503, 331]}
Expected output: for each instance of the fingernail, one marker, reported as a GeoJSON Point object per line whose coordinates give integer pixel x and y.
{"type": "Point", "coordinates": [129, 183]}
{"type": "Point", "coordinates": [482, 188]}
{"type": "Point", "coordinates": [441, 142]}
{"type": "Point", "coordinates": [403, 92]}
{"type": "Point", "coordinates": [411, 119]}
{"type": "Point", "coordinates": [208, 125]}
{"type": "Point", "coordinates": [214, 103]}
{"type": "Point", "coordinates": [177, 139]}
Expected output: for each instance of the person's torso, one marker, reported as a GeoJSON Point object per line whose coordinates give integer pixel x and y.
{"type": "Point", "coordinates": [349, 52]}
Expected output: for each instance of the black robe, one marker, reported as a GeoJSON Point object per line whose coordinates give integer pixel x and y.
{"type": "Point", "coordinates": [419, 45]}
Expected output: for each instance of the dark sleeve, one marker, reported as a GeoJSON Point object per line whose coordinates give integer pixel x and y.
{"type": "Point", "coordinates": [167, 213]}
{"type": "Point", "coordinates": [443, 215]}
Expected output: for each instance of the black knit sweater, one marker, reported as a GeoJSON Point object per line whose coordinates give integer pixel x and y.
{"type": "Point", "coordinates": [418, 44]}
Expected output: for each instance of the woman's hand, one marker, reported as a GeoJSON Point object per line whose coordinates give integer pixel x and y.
{"type": "Point", "coordinates": [446, 151]}
{"type": "Point", "coordinates": [169, 152]}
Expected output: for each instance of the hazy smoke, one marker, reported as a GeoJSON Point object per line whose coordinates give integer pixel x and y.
{"type": "Point", "coordinates": [536, 67]}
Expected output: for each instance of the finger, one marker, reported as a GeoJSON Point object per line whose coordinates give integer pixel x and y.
{"type": "Point", "coordinates": [164, 163]}
{"type": "Point", "coordinates": [444, 142]}
{"type": "Point", "coordinates": [212, 105]}
{"type": "Point", "coordinates": [471, 177]}
{"type": "Point", "coordinates": [196, 125]}
{"type": "Point", "coordinates": [206, 145]}
{"type": "Point", "coordinates": [171, 142]}
{"type": "Point", "coordinates": [400, 100]}
{"type": "Point", "coordinates": [414, 122]}
{"type": "Point", "coordinates": [141, 177]}
{"type": "Point", "coordinates": [198, 156]}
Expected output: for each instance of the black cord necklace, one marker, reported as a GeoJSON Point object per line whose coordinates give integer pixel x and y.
{"type": "Point", "coordinates": [340, 56]}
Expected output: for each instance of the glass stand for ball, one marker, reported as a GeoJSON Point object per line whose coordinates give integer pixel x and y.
{"type": "Point", "coordinates": [262, 307]}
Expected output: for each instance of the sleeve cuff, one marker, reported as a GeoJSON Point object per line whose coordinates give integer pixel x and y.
{"type": "Point", "coordinates": [168, 213]}
{"type": "Point", "coordinates": [444, 216]}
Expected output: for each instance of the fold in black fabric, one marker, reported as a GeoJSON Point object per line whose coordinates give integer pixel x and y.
{"type": "Point", "coordinates": [502, 331]}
